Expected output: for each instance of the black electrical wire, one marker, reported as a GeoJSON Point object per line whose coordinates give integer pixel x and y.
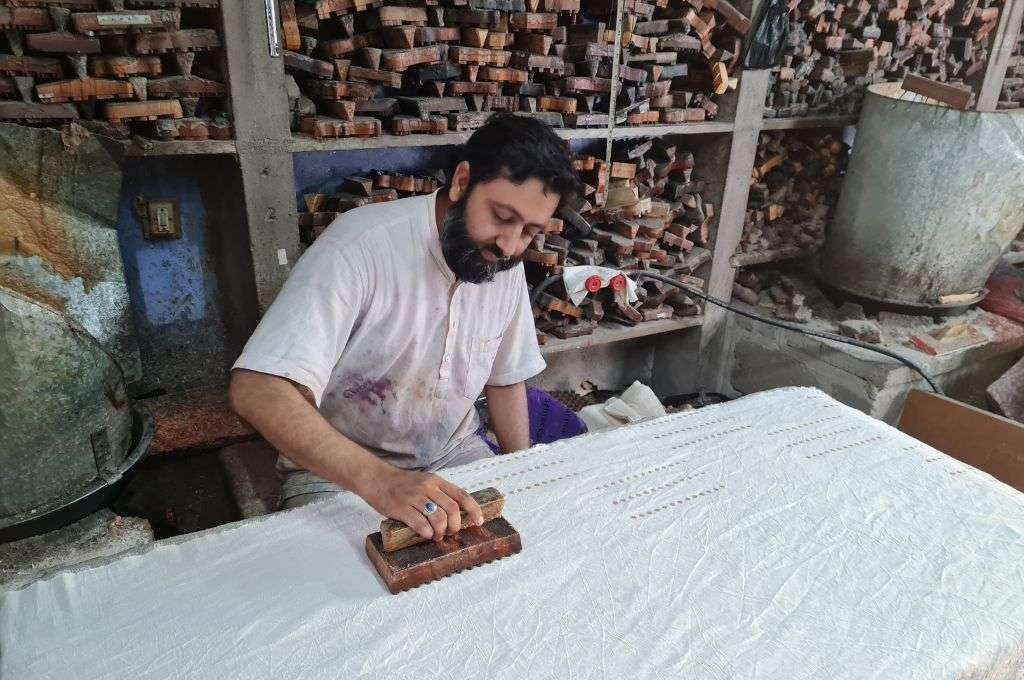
{"type": "Point", "coordinates": [638, 275]}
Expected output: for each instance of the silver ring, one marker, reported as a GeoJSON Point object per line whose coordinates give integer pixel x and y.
{"type": "Point", "coordinates": [429, 508]}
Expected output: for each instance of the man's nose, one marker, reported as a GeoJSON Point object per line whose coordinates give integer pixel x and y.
{"type": "Point", "coordinates": [507, 245]}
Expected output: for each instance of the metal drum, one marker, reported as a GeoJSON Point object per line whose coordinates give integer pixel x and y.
{"type": "Point", "coordinates": [932, 197]}
{"type": "Point", "coordinates": [67, 431]}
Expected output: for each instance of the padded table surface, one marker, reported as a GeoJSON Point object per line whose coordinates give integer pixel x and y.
{"type": "Point", "coordinates": [782, 535]}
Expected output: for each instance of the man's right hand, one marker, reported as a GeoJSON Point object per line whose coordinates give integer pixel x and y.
{"type": "Point", "coordinates": [402, 495]}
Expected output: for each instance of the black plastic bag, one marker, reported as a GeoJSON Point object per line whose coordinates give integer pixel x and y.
{"type": "Point", "coordinates": [769, 38]}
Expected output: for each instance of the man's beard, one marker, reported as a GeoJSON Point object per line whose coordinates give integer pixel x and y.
{"type": "Point", "coordinates": [464, 257]}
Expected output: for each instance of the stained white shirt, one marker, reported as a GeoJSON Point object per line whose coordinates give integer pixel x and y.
{"type": "Point", "coordinates": [393, 348]}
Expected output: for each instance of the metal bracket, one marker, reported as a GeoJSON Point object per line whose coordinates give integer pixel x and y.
{"type": "Point", "coordinates": [273, 36]}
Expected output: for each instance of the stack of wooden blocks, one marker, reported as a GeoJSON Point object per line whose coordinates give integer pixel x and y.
{"type": "Point", "coordinates": [836, 48]}
{"type": "Point", "coordinates": [149, 69]}
{"type": "Point", "coordinates": [1012, 93]}
{"type": "Point", "coordinates": [377, 186]}
{"type": "Point", "coordinates": [795, 184]}
{"type": "Point", "coordinates": [678, 54]}
{"type": "Point", "coordinates": [645, 212]}
{"type": "Point", "coordinates": [361, 67]}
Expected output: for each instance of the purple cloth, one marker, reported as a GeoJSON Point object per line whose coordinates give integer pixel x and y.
{"type": "Point", "coordinates": [550, 420]}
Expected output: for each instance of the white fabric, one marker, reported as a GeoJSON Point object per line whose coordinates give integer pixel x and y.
{"type": "Point", "coordinates": [780, 536]}
{"type": "Point", "coordinates": [638, 402]}
{"type": "Point", "coordinates": [575, 281]}
{"type": "Point", "coordinates": [394, 350]}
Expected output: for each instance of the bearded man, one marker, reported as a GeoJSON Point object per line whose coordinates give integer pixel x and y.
{"type": "Point", "coordinates": [365, 370]}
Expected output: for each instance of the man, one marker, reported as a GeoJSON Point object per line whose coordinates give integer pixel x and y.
{"type": "Point", "coordinates": [364, 371]}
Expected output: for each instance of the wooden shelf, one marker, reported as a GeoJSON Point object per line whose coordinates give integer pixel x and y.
{"type": "Point", "coordinates": [302, 143]}
{"type": "Point", "coordinates": [608, 333]}
{"type": "Point", "coordinates": [808, 122]}
{"type": "Point", "coordinates": [775, 255]}
{"type": "Point", "coordinates": [179, 148]}
{"type": "Point", "coordinates": [702, 128]}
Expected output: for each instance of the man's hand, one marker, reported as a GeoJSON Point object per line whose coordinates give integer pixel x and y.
{"type": "Point", "coordinates": [402, 494]}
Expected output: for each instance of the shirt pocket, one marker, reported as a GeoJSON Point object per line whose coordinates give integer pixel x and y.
{"type": "Point", "coordinates": [479, 365]}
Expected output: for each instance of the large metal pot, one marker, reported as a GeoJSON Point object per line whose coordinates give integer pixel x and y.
{"type": "Point", "coordinates": [931, 198]}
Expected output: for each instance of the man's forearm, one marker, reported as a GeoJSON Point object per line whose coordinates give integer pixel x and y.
{"type": "Point", "coordinates": [510, 418]}
{"type": "Point", "coordinates": [275, 407]}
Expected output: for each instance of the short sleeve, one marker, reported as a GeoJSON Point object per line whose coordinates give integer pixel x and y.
{"type": "Point", "coordinates": [303, 333]}
{"type": "Point", "coordinates": [518, 356]}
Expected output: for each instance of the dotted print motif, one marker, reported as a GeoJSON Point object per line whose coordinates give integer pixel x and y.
{"type": "Point", "coordinates": [662, 487]}
{"type": "Point", "coordinates": [678, 501]}
{"type": "Point", "coordinates": [638, 475]}
{"type": "Point", "coordinates": [713, 435]}
{"type": "Point", "coordinates": [541, 483]}
{"type": "Point", "coordinates": [842, 448]}
{"type": "Point", "coordinates": [823, 435]}
{"type": "Point", "coordinates": [698, 426]}
{"type": "Point", "coordinates": [803, 425]}
{"type": "Point", "coordinates": [520, 472]}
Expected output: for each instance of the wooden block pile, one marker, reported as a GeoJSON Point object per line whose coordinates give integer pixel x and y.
{"type": "Point", "coordinates": [645, 211]}
{"type": "Point", "coordinates": [836, 48]}
{"type": "Point", "coordinates": [795, 184]}
{"type": "Point", "coordinates": [1012, 93]}
{"type": "Point", "coordinates": [783, 295]}
{"type": "Point", "coordinates": [117, 67]}
{"type": "Point", "coordinates": [678, 54]}
{"type": "Point", "coordinates": [377, 186]}
{"type": "Point", "coordinates": [364, 67]}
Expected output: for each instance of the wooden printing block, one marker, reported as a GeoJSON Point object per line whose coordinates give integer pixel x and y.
{"type": "Point", "coordinates": [577, 84]}
{"type": "Point", "coordinates": [345, 110]}
{"type": "Point", "coordinates": [461, 54]}
{"type": "Point", "coordinates": [25, 19]}
{"type": "Point", "coordinates": [325, 9]}
{"type": "Point", "coordinates": [343, 46]}
{"type": "Point", "coordinates": [533, 21]}
{"type": "Point", "coordinates": [37, 67]}
{"type": "Point", "coordinates": [490, 19]}
{"type": "Point", "coordinates": [396, 535]}
{"type": "Point", "coordinates": [400, 60]}
{"type": "Point", "coordinates": [458, 88]}
{"type": "Point", "coordinates": [383, 107]}
{"type": "Point", "coordinates": [123, 67]}
{"type": "Point", "coordinates": [341, 67]}
{"type": "Point", "coordinates": [500, 5]}
{"type": "Point", "coordinates": [404, 125]}
{"type": "Point", "coordinates": [432, 35]}
{"type": "Point", "coordinates": [322, 127]}
{"type": "Point", "coordinates": [291, 39]}
{"type": "Point", "coordinates": [474, 37]}
{"type": "Point", "coordinates": [62, 42]}
{"type": "Point", "coordinates": [534, 43]}
{"type": "Point", "coordinates": [467, 120]}
{"type": "Point", "coordinates": [426, 562]}
{"type": "Point", "coordinates": [337, 89]}
{"type": "Point", "coordinates": [542, 257]}
{"type": "Point", "coordinates": [536, 62]}
{"type": "Point", "coordinates": [83, 89]}
{"type": "Point", "coordinates": [497, 40]}
{"type": "Point", "coordinates": [200, 4]}
{"type": "Point", "coordinates": [503, 75]}
{"type": "Point", "coordinates": [388, 78]}
{"type": "Point", "coordinates": [37, 113]}
{"type": "Point", "coordinates": [194, 129]}
{"type": "Point", "coordinates": [186, 86]}
{"type": "Point", "coordinates": [588, 51]}
{"type": "Point", "coordinates": [91, 23]}
{"type": "Point", "coordinates": [502, 103]}
{"type": "Point", "coordinates": [117, 112]}
{"type": "Point", "coordinates": [561, 104]}
{"type": "Point", "coordinates": [188, 40]}
{"type": "Point", "coordinates": [394, 16]}
{"type": "Point", "coordinates": [585, 120]}
{"type": "Point", "coordinates": [443, 71]}
{"type": "Point", "coordinates": [400, 37]}
{"type": "Point", "coordinates": [423, 107]}
{"type": "Point", "coordinates": [300, 63]}
{"type": "Point", "coordinates": [575, 329]}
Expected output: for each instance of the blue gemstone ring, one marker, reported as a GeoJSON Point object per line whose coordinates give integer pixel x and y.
{"type": "Point", "coordinates": [430, 508]}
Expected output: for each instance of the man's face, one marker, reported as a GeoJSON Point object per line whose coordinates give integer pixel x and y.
{"type": "Point", "coordinates": [486, 231]}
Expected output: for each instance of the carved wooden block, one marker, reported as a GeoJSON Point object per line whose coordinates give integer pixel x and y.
{"type": "Point", "coordinates": [577, 84]}
{"type": "Point", "coordinates": [381, 107]}
{"type": "Point", "coordinates": [497, 40]}
{"type": "Point", "coordinates": [123, 67]}
{"type": "Point", "coordinates": [37, 113]}
{"type": "Point", "coordinates": [291, 39]}
{"type": "Point", "coordinates": [682, 115]}
{"type": "Point", "coordinates": [474, 55]}
{"type": "Point", "coordinates": [39, 67]}
{"type": "Point", "coordinates": [343, 46]}
{"type": "Point", "coordinates": [344, 110]}
{"type": "Point", "coordinates": [586, 120]}
{"type": "Point", "coordinates": [388, 78]}
{"type": "Point", "coordinates": [467, 120]}
{"type": "Point", "coordinates": [84, 89]}
{"type": "Point", "coordinates": [404, 125]}
{"type": "Point", "coordinates": [396, 16]}
{"type": "Point", "coordinates": [536, 62]}
{"type": "Point", "coordinates": [194, 129]}
{"type": "Point", "coordinates": [322, 127]}
{"type": "Point", "coordinates": [458, 88]}
{"type": "Point", "coordinates": [186, 86]}
{"type": "Point", "coordinates": [560, 104]}
{"type": "Point", "coordinates": [430, 561]}
{"type": "Point", "coordinates": [92, 23]}
{"type": "Point", "coordinates": [336, 89]}
{"type": "Point", "coordinates": [61, 42]}
{"type": "Point", "coordinates": [188, 40]}
{"type": "Point", "coordinates": [300, 63]}
{"type": "Point", "coordinates": [491, 19]}
{"type": "Point", "coordinates": [400, 60]}
{"type": "Point", "coordinates": [431, 35]}
{"type": "Point", "coordinates": [325, 9]}
{"type": "Point", "coordinates": [643, 117]}
{"type": "Point", "coordinates": [503, 75]}
{"type": "Point", "coordinates": [424, 107]}
{"type": "Point", "coordinates": [200, 4]}
{"type": "Point", "coordinates": [149, 110]}
{"type": "Point", "coordinates": [550, 118]}
{"type": "Point", "coordinates": [533, 21]}
{"type": "Point", "coordinates": [25, 18]}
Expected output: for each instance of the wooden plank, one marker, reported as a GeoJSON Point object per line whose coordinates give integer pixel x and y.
{"type": "Point", "coordinates": [25, 18]}
{"type": "Point", "coordinates": [117, 112]}
{"type": "Point", "coordinates": [83, 90]}
{"type": "Point", "coordinates": [38, 67]}
{"type": "Point", "coordinates": [187, 40]}
{"type": "Point", "coordinates": [122, 67]}
{"type": "Point", "coordinates": [185, 86]}
{"type": "Point", "coordinates": [951, 95]}
{"type": "Point", "coordinates": [980, 439]}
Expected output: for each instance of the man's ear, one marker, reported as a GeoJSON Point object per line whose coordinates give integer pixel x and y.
{"type": "Point", "coordinates": [460, 181]}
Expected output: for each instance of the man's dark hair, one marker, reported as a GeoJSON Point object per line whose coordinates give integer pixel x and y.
{"type": "Point", "coordinates": [519, 148]}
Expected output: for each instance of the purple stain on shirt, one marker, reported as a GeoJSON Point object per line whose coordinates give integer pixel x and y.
{"type": "Point", "coordinates": [372, 392]}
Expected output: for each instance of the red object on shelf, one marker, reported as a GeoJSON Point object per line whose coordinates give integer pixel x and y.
{"type": "Point", "coordinates": [618, 282]}
{"type": "Point", "coordinates": [593, 283]}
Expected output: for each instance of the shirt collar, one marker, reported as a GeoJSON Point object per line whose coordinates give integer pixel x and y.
{"type": "Point", "coordinates": [434, 238]}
